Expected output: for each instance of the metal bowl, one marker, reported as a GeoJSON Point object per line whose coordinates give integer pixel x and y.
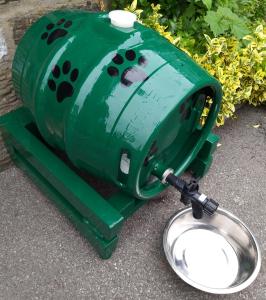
{"type": "Point", "coordinates": [216, 254]}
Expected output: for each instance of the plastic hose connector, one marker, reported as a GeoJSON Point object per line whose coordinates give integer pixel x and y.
{"type": "Point", "coordinates": [176, 182]}
{"type": "Point", "coordinates": [210, 206]}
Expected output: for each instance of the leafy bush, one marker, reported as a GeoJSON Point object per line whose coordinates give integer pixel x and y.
{"type": "Point", "coordinates": [191, 19]}
{"type": "Point", "coordinates": [238, 63]}
{"type": "Point", "coordinates": [241, 70]}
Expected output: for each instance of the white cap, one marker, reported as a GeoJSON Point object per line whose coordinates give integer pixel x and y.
{"type": "Point", "coordinates": [122, 18]}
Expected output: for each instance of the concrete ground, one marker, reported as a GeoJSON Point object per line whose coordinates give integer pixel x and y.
{"type": "Point", "coordinates": [43, 257]}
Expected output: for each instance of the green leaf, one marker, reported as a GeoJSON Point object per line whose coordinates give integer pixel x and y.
{"type": "Point", "coordinates": [207, 3]}
{"type": "Point", "coordinates": [225, 20]}
{"type": "Point", "coordinates": [190, 11]}
{"type": "Point", "coordinates": [239, 29]}
{"type": "Point", "coordinates": [133, 5]}
{"type": "Point", "coordinates": [237, 25]}
{"type": "Point", "coordinates": [208, 39]}
{"type": "Point", "coordinates": [217, 24]}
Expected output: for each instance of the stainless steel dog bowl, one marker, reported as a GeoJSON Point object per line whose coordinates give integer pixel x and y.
{"type": "Point", "coordinates": [217, 254]}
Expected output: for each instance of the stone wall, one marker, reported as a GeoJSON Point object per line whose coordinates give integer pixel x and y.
{"type": "Point", "coordinates": [15, 17]}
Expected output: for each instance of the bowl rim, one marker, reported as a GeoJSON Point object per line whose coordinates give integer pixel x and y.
{"type": "Point", "coordinates": [196, 285]}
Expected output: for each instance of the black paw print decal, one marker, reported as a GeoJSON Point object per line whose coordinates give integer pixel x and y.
{"type": "Point", "coordinates": [185, 110]}
{"type": "Point", "coordinates": [56, 31]}
{"type": "Point", "coordinates": [65, 88]}
{"type": "Point", "coordinates": [131, 74]}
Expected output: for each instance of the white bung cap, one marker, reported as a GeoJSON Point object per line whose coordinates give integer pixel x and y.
{"type": "Point", "coordinates": [122, 18]}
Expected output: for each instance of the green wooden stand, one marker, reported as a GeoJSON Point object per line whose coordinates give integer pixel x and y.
{"type": "Point", "coordinates": [99, 219]}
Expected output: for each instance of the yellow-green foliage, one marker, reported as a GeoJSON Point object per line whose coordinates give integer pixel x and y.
{"type": "Point", "coordinates": [152, 20]}
{"type": "Point", "coordinates": [240, 69]}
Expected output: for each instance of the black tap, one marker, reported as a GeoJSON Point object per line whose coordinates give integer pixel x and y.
{"type": "Point", "coordinates": [190, 194]}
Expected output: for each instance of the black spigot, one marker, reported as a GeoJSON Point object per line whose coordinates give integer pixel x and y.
{"type": "Point", "coordinates": [190, 194]}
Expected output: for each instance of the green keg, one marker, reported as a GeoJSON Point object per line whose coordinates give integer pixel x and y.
{"type": "Point", "coordinates": [120, 100]}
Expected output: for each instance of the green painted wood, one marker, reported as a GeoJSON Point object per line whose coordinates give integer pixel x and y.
{"type": "Point", "coordinates": [200, 166]}
{"type": "Point", "coordinates": [85, 199]}
{"type": "Point", "coordinates": [104, 247]}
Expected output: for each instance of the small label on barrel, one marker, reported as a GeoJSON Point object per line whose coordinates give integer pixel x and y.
{"type": "Point", "coordinates": [124, 163]}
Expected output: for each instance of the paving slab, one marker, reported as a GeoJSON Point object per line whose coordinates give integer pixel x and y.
{"type": "Point", "coordinates": [42, 256]}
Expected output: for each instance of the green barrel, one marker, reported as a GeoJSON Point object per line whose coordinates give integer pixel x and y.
{"type": "Point", "coordinates": [118, 101]}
